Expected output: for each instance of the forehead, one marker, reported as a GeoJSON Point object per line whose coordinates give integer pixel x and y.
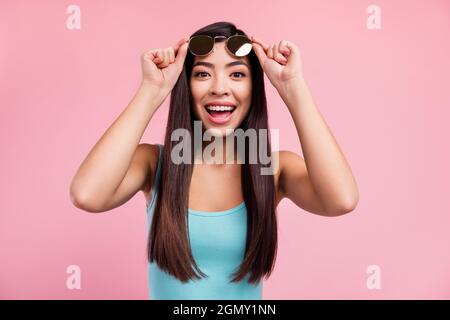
{"type": "Point", "coordinates": [221, 57]}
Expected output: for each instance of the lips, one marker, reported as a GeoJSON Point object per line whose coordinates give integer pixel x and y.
{"type": "Point", "coordinates": [220, 112]}
{"type": "Point", "coordinates": [220, 103]}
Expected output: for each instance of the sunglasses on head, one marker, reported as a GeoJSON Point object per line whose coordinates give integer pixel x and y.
{"type": "Point", "coordinates": [237, 45]}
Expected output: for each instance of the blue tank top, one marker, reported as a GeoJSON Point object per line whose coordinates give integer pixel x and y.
{"type": "Point", "coordinates": [217, 240]}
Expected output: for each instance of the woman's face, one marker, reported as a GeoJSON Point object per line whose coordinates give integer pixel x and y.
{"type": "Point", "coordinates": [214, 84]}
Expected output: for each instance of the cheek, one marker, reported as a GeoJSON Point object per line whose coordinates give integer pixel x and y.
{"type": "Point", "coordinates": [247, 99]}
{"type": "Point", "coordinates": [245, 94]}
{"type": "Point", "coordinates": [198, 91]}
{"type": "Point", "coordinates": [196, 97]}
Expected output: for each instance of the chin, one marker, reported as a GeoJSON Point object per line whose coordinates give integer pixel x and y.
{"type": "Point", "coordinates": [221, 132]}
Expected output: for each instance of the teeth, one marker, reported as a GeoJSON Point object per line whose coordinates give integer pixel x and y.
{"type": "Point", "coordinates": [220, 108]}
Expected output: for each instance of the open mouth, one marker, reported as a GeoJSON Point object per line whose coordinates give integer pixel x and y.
{"type": "Point", "coordinates": [220, 114]}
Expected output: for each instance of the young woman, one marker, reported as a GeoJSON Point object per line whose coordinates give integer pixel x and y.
{"type": "Point", "coordinates": [212, 227]}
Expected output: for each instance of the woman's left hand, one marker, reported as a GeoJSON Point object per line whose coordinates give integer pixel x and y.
{"type": "Point", "coordinates": [280, 61]}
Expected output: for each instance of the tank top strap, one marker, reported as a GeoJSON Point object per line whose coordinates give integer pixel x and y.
{"type": "Point", "coordinates": [157, 177]}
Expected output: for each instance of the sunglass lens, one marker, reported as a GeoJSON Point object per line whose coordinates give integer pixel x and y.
{"type": "Point", "coordinates": [201, 45]}
{"type": "Point", "coordinates": [239, 45]}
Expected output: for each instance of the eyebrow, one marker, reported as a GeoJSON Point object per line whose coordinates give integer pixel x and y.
{"type": "Point", "coordinates": [211, 65]}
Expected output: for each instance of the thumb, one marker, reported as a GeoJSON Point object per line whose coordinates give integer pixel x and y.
{"type": "Point", "coordinates": [181, 51]}
{"type": "Point", "coordinates": [259, 51]}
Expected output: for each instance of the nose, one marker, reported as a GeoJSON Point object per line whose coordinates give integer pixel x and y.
{"type": "Point", "coordinates": [219, 86]}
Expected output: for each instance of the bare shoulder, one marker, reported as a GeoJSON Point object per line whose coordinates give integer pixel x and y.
{"type": "Point", "coordinates": [296, 185]}
{"type": "Point", "coordinates": [286, 159]}
{"type": "Point", "coordinates": [287, 156]}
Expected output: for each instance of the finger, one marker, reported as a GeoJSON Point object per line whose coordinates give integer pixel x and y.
{"type": "Point", "coordinates": [159, 56]}
{"type": "Point", "coordinates": [293, 49]}
{"type": "Point", "coordinates": [261, 43]}
{"type": "Point", "coordinates": [180, 43]}
{"type": "Point", "coordinates": [270, 52]}
{"type": "Point", "coordinates": [171, 55]}
{"type": "Point", "coordinates": [259, 51]}
{"type": "Point", "coordinates": [181, 55]}
{"type": "Point", "coordinates": [162, 57]}
{"type": "Point", "coordinates": [150, 55]}
{"type": "Point", "coordinates": [166, 57]}
{"type": "Point", "coordinates": [278, 56]}
{"type": "Point", "coordinates": [283, 48]}
{"type": "Point", "coordinates": [165, 61]}
{"type": "Point", "coordinates": [274, 51]}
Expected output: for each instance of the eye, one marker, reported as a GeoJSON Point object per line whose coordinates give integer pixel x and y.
{"type": "Point", "coordinates": [243, 75]}
{"type": "Point", "coordinates": [201, 72]}
{"type": "Point", "coordinates": [196, 74]}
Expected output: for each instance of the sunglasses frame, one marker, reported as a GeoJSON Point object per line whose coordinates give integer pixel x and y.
{"type": "Point", "coordinates": [214, 39]}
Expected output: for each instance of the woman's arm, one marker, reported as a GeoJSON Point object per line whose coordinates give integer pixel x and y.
{"type": "Point", "coordinates": [328, 171]}
{"type": "Point", "coordinates": [323, 182]}
{"type": "Point", "coordinates": [117, 167]}
{"type": "Point", "coordinates": [106, 165]}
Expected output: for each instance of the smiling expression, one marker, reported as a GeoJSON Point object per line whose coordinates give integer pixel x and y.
{"type": "Point", "coordinates": [221, 88]}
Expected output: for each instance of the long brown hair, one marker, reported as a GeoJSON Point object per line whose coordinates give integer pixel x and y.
{"type": "Point", "coordinates": [168, 241]}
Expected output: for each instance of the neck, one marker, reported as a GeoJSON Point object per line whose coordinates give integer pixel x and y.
{"type": "Point", "coordinates": [218, 151]}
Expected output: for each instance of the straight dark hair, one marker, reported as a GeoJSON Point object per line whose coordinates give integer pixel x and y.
{"type": "Point", "coordinates": [168, 241]}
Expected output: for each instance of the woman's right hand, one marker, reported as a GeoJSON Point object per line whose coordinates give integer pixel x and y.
{"type": "Point", "coordinates": [161, 67]}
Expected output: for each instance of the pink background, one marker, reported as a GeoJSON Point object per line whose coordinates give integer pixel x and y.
{"type": "Point", "coordinates": [384, 93]}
